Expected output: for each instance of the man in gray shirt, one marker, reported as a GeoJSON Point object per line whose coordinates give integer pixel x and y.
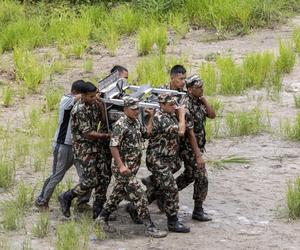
{"type": "Point", "coordinates": [62, 150]}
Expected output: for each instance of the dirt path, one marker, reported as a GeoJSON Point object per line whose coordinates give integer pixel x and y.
{"type": "Point", "coordinates": [247, 202]}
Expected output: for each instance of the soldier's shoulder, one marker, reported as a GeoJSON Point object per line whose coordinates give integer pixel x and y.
{"type": "Point", "coordinates": [78, 107]}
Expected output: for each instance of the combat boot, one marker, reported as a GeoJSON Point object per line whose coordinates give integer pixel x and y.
{"type": "Point", "coordinates": [133, 214]}
{"type": "Point", "coordinates": [198, 213]}
{"type": "Point", "coordinates": [174, 225]}
{"type": "Point", "coordinates": [152, 231]}
{"type": "Point", "coordinates": [97, 208]}
{"type": "Point", "coordinates": [103, 219]}
{"type": "Point", "coordinates": [65, 200]}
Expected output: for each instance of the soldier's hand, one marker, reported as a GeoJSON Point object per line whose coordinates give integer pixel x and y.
{"type": "Point", "coordinates": [149, 111]}
{"type": "Point", "coordinates": [200, 163]}
{"type": "Point", "coordinates": [124, 170]}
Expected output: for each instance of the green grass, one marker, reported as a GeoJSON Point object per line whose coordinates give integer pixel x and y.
{"type": "Point", "coordinates": [296, 39]}
{"type": "Point", "coordinates": [7, 172]}
{"type": "Point", "coordinates": [28, 68]}
{"type": "Point", "coordinates": [291, 130]}
{"type": "Point", "coordinates": [144, 40]}
{"type": "Point", "coordinates": [88, 65]}
{"type": "Point", "coordinates": [11, 217]}
{"type": "Point", "coordinates": [231, 82]}
{"type": "Point", "coordinates": [68, 237]}
{"type": "Point", "coordinates": [27, 244]}
{"type": "Point", "coordinates": [42, 227]}
{"type": "Point", "coordinates": [293, 198]}
{"type": "Point", "coordinates": [155, 69]}
{"type": "Point", "coordinates": [24, 197]}
{"type": "Point", "coordinates": [7, 96]}
{"type": "Point", "coordinates": [178, 23]}
{"type": "Point", "coordinates": [228, 160]}
{"type": "Point", "coordinates": [53, 96]}
{"type": "Point", "coordinates": [297, 101]}
{"type": "Point", "coordinates": [286, 59]}
{"type": "Point", "coordinates": [208, 73]}
{"type": "Point", "coordinates": [257, 67]}
{"type": "Point", "coordinates": [245, 123]}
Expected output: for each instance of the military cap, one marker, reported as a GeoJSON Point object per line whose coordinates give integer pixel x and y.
{"type": "Point", "coordinates": [166, 98]}
{"type": "Point", "coordinates": [193, 81]}
{"type": "Point", "coordinates": [131, 102]}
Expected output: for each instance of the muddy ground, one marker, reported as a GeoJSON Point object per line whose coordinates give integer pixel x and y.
{"type": "Point", "coordinates": [246, 201]}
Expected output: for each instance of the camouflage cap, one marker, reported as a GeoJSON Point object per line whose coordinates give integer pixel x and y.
{"type": "Point", "coordinates": [166, 98]}
{"type": "Point", "coordinates": [194, 81]}
{"type": "Point", "coordinates": [131, 102]}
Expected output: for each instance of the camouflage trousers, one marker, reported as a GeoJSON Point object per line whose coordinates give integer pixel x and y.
{"type": "Point", "coordinates": [191, 174]}
{"type": "Point", "coordinates": [96, 170]}
{"type": "Point", "coordinates": [128, 187]}
{"type": "Point", "coordinates": [163, 181]}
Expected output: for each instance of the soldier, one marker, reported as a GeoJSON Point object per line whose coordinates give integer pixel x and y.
{"type": "Point", "coordinates": [123, 72]}
{"type": "Point", "coordinates": [62, 150]}
{"type": "Point", "coordinates": [198, 109]}
{"type": "Point", "coordinates": [126, 149]}
{"type": "Point", "coordinates": [162, 157]}
{"type": "Point", "coordinates": [89, 153]}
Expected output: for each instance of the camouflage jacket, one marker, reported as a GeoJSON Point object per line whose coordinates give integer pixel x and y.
{"type": "Point", "coordinates": [196, 112]}
{"type": "Point", "coordinates": [84, 119]}
{"type": "Point", "coordinates": [164, 138]}
{"type": "Point", "coordinates": [128, 136]}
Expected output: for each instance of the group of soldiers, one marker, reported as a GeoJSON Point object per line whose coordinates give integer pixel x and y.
{"type": "Point", "coordinates": [175, 133]}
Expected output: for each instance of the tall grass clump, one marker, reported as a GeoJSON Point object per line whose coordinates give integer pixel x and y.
{"type": "Point", "coordinates": [71, 34]}
{"type": "Point", "coordinates": [286, 59]}
{"type": "Point", "coordinates": [257, 67]}
{"type": "Point", "coordinates": [25, 196]}
{"type": "Point", "coordinates": [179, 24]}
{"type": "Point", "coordinates": [68, 237]}
{"type": "Point", "coordinates": [155, 69]}
{"type": "Point", "coordinates": [41, 228]}
{"type": "Point", "coordinates": [7, 95]}
{"type": "Point", "coordinates": [231, 79]}
{"type": "Point", "coordinates": [291, 130]}
{"type": "Point", "coordinates": [297, 101]}
{"type": "Point", "coordinates": [127, 19]}
{"type": "Point", "coordinates": [7, 172]}
{"type": "Point", "coordinates": [245, 123]}
{"type": "Point", "coordinates": [293, 198]}
{"type": "Point", "coordinates": [10, 11]}
{"type": "Point", "coordinates": [23, 33]}
{"type": "Point", "coordinates": [88, 65]}
{"type": "Point", "coordinates": [11, 216]}
{"type": "Point", "coordinates": [28, 69]}
{"type": "Point", "coordinates": [296, 39]}
{"type": "Point", "coordinates": [209, 75]}
{"type": "Point", "coordinates": [53, 96]}
{"type": "Point", "coordinates": [149, 37]}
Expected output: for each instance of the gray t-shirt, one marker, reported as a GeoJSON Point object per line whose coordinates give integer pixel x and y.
{"type": "Point", "coordinates": [63, 131]}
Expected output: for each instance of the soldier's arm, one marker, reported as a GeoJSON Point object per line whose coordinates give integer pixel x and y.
{"type": "Point", "coordinates": [180, 112]}
{"type": "Point", "coordinates": [93, 135]}
{"type": "Point", "coordinates": [116, 155]}
{"type": "Point", "coordinates": [149, 125]}
{"type": "Point", "coordinates": [195, 148]}
{"type": "Point", "coordinates": [210, 112]}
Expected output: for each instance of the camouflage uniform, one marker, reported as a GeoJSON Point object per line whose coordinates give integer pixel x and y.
{"type": "Point", "coordinates": [91, 155]}
{"type": "Point", "coordinates": [128, 136]}
{"type": "Point", "coordinates": [197, 114]}
{"type": "Point", "coordinates": [162, 159]}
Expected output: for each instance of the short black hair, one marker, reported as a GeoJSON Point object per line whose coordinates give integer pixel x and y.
{"type": "Point", "coordinates": [88, 87]}
{"type": "Point", "coordinates": [77, 86]}
{"type": "Point", "coordinates": [177, 69]}
{"type": "Point", "coordinates": [118, 68]}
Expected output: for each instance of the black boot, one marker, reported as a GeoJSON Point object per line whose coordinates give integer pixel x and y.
{"type": "Point", "coordinates": [65, 200]}
{"type": "Point", "coordinates": [152, 231]}
{"type": "Point", "coordinates": [198, 213]}
{"type": "Point", "coordinates": [103, 219]}
{"type": "Point", "coordinates": [174, 225]}
{"type": "Point", "coordinates": [97, 208]}
{"type": "Point", "coordinates": [133, 214]}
